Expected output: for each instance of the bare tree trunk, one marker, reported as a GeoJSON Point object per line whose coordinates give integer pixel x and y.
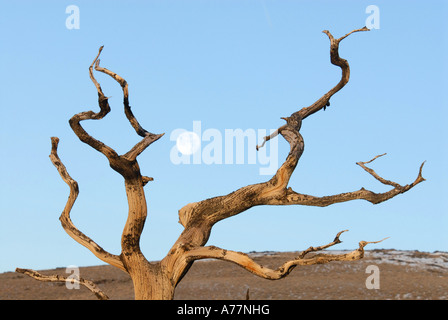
{"type": "Point", "coordinates": [158, 280]}
{"type": "Point", "coordinates": [150, 281]}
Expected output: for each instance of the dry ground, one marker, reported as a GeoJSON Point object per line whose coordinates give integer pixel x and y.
{"type": "Point", "coordinates": [403, 275]}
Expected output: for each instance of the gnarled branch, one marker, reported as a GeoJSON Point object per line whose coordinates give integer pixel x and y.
{"type": "Point", "coordinates": [291, 197]}
{"type": "Point", "coordinates": [57, 278]}
{"type": "Point", "coordinates": [127, 108]}
{"type": "Point", "coordinates": [148, 137]}
{"type": "Point", "coordinates": [210, 211]}
{"type": "Point", "coordinates": [103, 103]}
{"type": "Point", "coordinates": [337, 61]}
{"type": "Point", "coordinates": [198, 218]}
{"type": "Point", "coordinates": [67, 223]}
{"type": "Point", "coordinates": [243, 260]}
{"type": "Point", "coordinates": [324, 101]}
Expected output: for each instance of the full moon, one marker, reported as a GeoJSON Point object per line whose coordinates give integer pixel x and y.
{"type": "Point", "coordinates": [188, 143]}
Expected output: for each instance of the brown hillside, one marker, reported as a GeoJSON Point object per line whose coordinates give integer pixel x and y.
{"type": "Point", "coordinates": [403, 275]}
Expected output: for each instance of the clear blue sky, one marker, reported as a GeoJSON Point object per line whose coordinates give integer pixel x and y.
{"type": "Point", "coordinates": [229, 64]}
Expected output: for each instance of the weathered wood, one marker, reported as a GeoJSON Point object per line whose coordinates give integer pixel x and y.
{"type": "Point", "coordinates": [57, 278]}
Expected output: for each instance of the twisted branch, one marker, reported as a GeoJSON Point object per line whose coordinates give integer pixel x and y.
{"type": "Point", "coordinates": [244, 261]}
{"type": "Point", "coordinates": [103, 103]}
{"type": "Point", "coordinates": [198, 218]}
{"type": "Point", "coordinates": [291, 197]}
{"type": "Point", "coordinates": [90, 115]}
{"type": "Point", "coordinates": [65, 219]}
{"type": "Point", "coordinates": [148, 137]}
{"type": "Point", "coordinates": [218, 208]}
{"type": "Point", "coordinates": [127, 108]}
{"type": "Point", "coordinates": [324, 101]}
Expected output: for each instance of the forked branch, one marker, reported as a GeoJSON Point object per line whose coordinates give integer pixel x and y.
{"type": "Point", "coordinates": [103, 103]}
{"type": "Point", "coordinates": [246, 262]}
{"type": "Point", "coordinates": [388, 182]}
{"type": "Point", "coordinates": [275, 191]}
{"type": "Point", "coordinates": [345, 77]}
{"type": "Point", "coordinates": [124, 85]}
{"type": "Point", "coordinates": [291, 197]}
{"type": "Point", "coordinates": [148, 137]}
{"type": "Point", "coordinates": [198, 218]}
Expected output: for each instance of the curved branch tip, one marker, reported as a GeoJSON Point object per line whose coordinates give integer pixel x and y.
{"type": "Point", "coordinates": [362, 244]}
{"type": "Point", "coordinates": [336, 239]}
{"type": "Point", "coordinates": [420, 177]}
{"type": "Point", "coordinates": [360, 163]}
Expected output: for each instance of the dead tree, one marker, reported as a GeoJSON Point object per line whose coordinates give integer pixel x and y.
{"type": "Point", "coordinates": [158, 280]}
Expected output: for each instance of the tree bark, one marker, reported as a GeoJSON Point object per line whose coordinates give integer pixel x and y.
{"type": "Point", "coordinates": [158, 280]}
{"type": "Point", "coordinates": [150, 281]}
